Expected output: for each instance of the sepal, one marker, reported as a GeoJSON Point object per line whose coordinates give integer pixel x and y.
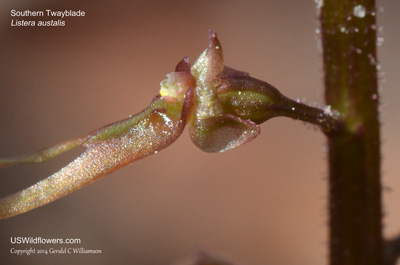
{"type": "Point", "coordinates": [222, 133]}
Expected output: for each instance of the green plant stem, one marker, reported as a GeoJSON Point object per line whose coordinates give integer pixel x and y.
{"type": "Point", "coordinates": [348, 29]}
{"type": "Point", "coordinates": [324, 119]}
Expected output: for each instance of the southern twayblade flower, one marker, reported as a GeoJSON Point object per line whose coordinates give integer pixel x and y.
{"type": "Point", "coordinates": [222, 107]}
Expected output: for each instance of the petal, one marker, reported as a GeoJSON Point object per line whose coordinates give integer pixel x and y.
{"type": "Point", "coordinates": [183, 65]}
{"type": "Point", "coordinates": [230, 72]}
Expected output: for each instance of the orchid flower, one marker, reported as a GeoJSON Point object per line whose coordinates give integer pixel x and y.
{"type": "Point", "coordinates": [221, 106]}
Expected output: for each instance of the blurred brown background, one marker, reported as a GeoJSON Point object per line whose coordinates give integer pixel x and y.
{"type": "Point", "coordinates": [264, 203]}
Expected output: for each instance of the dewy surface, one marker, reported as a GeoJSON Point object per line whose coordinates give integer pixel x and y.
{"type": "Point", "coordinates": [108, 150]}
{"type": "Point", "coordinates": [206, 96]}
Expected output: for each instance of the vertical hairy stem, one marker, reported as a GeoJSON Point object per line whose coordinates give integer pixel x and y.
{"type": "Point", "coordinates": [392, 250]}
{"type": "Point", "coordinates": [348, 29]}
